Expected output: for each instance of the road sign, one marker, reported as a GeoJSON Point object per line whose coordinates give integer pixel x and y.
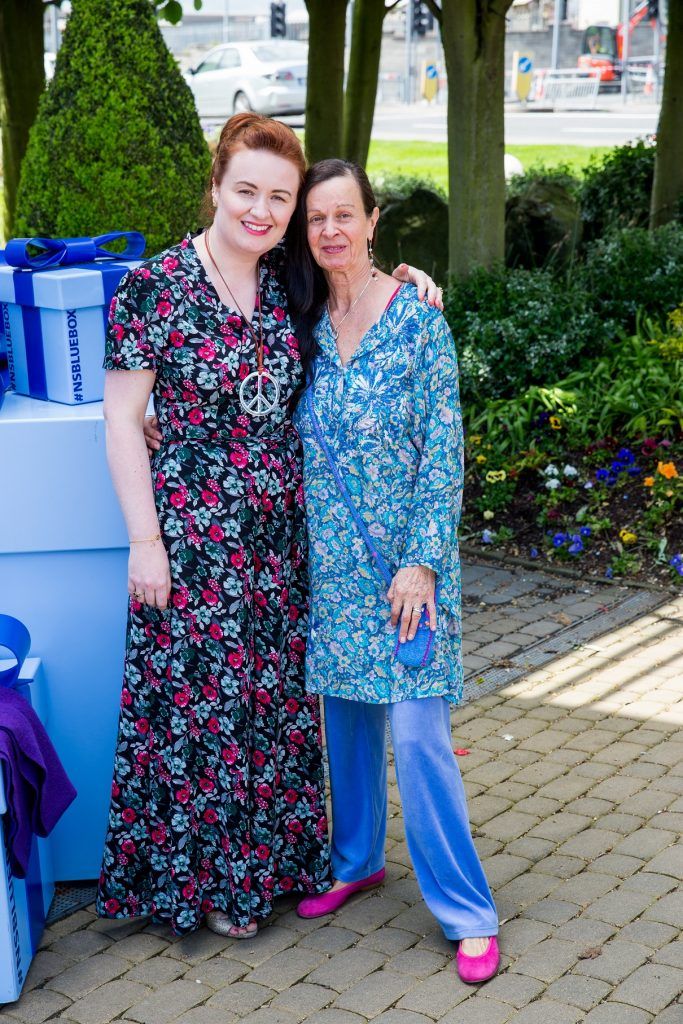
{"type": "Point", "coordinates": [522, 71]}
{"type": "Point", "coordinates": [430, 82]}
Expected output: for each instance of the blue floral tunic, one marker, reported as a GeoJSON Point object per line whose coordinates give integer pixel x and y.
{"type": "Point", "coordinates": [392, 419]}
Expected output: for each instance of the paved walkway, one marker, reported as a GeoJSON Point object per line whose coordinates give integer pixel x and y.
{"type": "Point", "coordinates": [575, 780]}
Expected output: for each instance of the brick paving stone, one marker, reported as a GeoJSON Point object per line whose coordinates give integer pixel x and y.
{"type": "Point", "coordinates": [303, 999]}
{"type": "Point", "coordinates": [646, 881]}
{"type": "Point", "coordinates": [270, 940]}
{"type": "Point", "coordinates": [515, 989]}
{"type": "Point", "coordinates": [139, 947]}
{"type": "Point", "coordinates": [483, 808]}
{"type": "Point", "coordinates": [518, 936]}
{"type": "Point", "coordinates": [107, 1002]}
{"type": "Point", "coordinates": [668, 862]}
{"type": "Point", "coordinates": [616, 864]}
{"type": "Point", "coordinates": [419, 963]}
{"type": "Point", "coordinates": [510, 824]}
{"type": "Point", "coordinates": [388, 940]}
{"type": "Point", "coordinates": [268, 1015]}
{"type": "Point", "coordinates": [158, 971]}
{"type": "Point", "coordinates": [241, 998]}
{"type": "Point", "coordinates": [624, 823]}
{"type": "Point", "coordinates": [652, 987]}
{"type": "Point", "coordinates": [502, 868]}
{"type": "Point", "coordinates": [552, 911]}
{"type": "Point", "coordinates": [371, 913]}
{"type": "Point", "coordinates": [80, 944]}
{"type": "Point", "coordinates": [671, 954]}
{"type": "Point", "coordinates": [45, 965]}
{"type": "Point", "coordinates": [206, 1015]}
{"type": "Point", "coordinates": [545, 1010]}
{"type": "Point", "coordinates": [548, 960]}
{"type": "Point", "coordinates": [72, 923]}
{"type": "Point", "coordinates": [346, 968]}
{"type": "Point", "coordinates": [668, 910]}
{"type": "Point", "coordinates": [585, 888]}
{"type": "Point", "coordinates": [590, 807]}
{"type": "Point", "coordinates": [672, 1015]}
{"type": "Point", "coordinates": [617, 1013]}
{"type": "Point", "coordinates": [330, 939]}
{"type": "Point", "coordinates": [379, 991]}
{"type": "Point", "coordinates": [336, 1016]}
{"type": "Point", "coordinates": [401, 1017]}
{"type": "Point", "coordinates": [436, 995]}
{"type": "Point", "coordinates": [531, 849]}
{"type": "Point", "coordinates": [590, 844]}
{"type": "Point", "coordinates": [480, 1010]}
{"type": "Point", "coordinates": [559, 866]}
{"type": "Point", "coordinates": [527, 889]}
{"type": "Point", "coordinates": [560, 826]}
{"type": "Point", "coordinates": [198, 946]}
{"type": "Point", "coordinates": [287, 968]}
{"type": "Point", "coordinates": [648, 933]}
{"type": "Point", "coordinates": [617, 961]}
{"type": "Point", "coordinates": [169, 1002]}
{"type": "Point", "coordinates": [35, 1007]}
{"type": "Point", "coordinates": [216, 973]}
{"type": "Point", "coordinates": [577, 991]}
{"type": "Point", "coordinates": [417, 919]}
{"type": "Point", "coordinates": [88, 974]}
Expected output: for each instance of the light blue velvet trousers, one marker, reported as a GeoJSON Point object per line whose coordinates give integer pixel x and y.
{"type": "Point", "coordinates": [446, 863]}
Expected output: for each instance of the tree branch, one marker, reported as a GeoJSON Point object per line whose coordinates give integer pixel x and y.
{"type": "Point", "coordinates": [435, 9]}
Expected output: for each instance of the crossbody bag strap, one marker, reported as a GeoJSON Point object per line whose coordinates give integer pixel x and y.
{"type": "Point", "coordinates": [343, 490]}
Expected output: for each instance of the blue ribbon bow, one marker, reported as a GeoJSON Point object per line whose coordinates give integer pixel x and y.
{"type": "Point", "coordinates": [15, 637]}
{"type": "Point", "coordinates": [65, 251]}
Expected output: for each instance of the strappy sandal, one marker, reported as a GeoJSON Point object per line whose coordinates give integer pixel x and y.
{"type": "Point", "coordinates": [220, 923]}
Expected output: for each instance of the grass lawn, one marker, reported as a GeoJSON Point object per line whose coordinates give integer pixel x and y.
{"type": "Point", "coordinates": [428, 159]}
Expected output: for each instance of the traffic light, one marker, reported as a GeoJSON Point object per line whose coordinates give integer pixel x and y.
{"type": "Point", "coordinates": [278, 21]}
{"type": "Point", "coordinates": [653, 9]}
{"type": "Point", "coordinates": [423, 20]}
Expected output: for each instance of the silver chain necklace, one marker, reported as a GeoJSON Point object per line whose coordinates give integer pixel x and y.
{"type": "Point", "coordinates": [336, 328]}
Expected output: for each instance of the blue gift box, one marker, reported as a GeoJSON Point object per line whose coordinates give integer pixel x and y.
{"type": "Point", "coordinates": [54, 313]}
{"type": "Point", "coordinates": [24, 902]}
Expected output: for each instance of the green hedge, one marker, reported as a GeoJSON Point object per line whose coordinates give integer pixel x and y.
{"type": "Point", "coordinates": [117, 142]}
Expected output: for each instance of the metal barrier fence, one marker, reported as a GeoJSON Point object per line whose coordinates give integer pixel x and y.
{"type": "Point", "coordinates": [565, 89]}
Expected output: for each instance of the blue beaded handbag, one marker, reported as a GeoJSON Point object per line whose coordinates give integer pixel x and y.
{"type": "Point", "coordinates": [415, 653]}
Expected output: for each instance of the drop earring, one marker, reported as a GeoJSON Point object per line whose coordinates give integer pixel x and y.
{"type": "Point", "coordinates": [371, 258]}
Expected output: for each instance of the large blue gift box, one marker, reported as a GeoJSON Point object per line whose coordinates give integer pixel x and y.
{"type": "Point", "coordinates": [24, 902]}
{"type": "Point", "coordinates": [54, 312]}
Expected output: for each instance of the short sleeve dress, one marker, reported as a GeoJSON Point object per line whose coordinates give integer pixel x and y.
{"type": "Point", "coordinates": [218, 791]}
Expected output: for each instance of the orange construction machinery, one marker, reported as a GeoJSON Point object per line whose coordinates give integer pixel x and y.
{"type": "Point", "coordinates": [602, 51]}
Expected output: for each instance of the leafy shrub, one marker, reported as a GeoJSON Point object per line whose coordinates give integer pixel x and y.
{"type": "Point", "coordinates": [117, 142]}
{"type": "Point", "coordinates": [615, 192]}
{"type": "Point", "coordinates": [414, 229]}
{"type": "Point", "coordinates": [517, 328]}
{"type": "Point", "coordinates": [542, 222]}
{"type": "Point", "coordinates": [634, 269]}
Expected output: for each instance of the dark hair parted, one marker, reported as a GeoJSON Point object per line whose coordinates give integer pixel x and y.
{"type": "Point", "coordinates": [307, 288]}
{"type": "Point", "coordinates": [251, 131]}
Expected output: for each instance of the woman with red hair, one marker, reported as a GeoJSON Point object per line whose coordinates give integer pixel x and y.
{"type": "Point", "coordinates": [218, 799]}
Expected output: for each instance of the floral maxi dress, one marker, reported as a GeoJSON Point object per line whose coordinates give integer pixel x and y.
{"type": "Point", "coordinates": [218, 791]}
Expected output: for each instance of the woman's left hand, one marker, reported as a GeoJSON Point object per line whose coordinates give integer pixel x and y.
{"type": "Point", "coordinates": [411, 589]}
{"type": "Point", "coordinates": [424, 283]}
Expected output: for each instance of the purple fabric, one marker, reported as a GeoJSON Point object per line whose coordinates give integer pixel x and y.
{"type": "Point", "coordinates": [37, 788]}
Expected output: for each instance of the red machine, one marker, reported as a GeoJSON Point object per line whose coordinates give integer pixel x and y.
{"type": "Point", "coordinates": [602, 50]}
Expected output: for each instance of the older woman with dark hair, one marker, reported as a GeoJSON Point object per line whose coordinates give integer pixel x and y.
{"type": "Point", "coordinates": [381, 428]}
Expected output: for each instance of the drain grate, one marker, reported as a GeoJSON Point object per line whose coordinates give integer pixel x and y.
{"type": "Point", "coordinates": [480, 684]}
{"type": "Point", "coordinates": [70, 897]}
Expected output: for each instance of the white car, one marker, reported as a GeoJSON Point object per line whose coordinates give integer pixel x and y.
{"type": "Point", "coordinates": [268, 77]}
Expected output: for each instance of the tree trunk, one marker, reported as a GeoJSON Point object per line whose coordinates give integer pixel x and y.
{"type": "Point", "coordinates": [22, 80]}
{"type": "Point", "coordinates": [667, 187]}
{"type": "Point", "coordinates": [361, 85]}
{"type": "Point", "coordinates": [473, 34]}
{"type": "Point", "coordinates": [325, 92]}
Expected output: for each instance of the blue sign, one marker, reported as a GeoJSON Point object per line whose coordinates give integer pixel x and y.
{"type": "Point", "coordinates": [524, 65]}
{"type": "Point", "coordinates": [430, 71]}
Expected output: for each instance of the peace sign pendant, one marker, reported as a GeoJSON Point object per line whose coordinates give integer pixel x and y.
{"type": "Point", "coordinates": [259, 393]}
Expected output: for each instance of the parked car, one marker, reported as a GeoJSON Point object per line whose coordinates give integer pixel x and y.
{"type": "Point", "coordinates": [268, 77]}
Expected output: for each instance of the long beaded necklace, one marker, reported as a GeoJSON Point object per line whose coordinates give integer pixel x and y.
{"type": "Point", "coordinates": [259, 392]}
{"type": "Point", "coordinates": [336, 328]}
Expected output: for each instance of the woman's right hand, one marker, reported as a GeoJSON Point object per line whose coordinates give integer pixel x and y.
{"type": "Point", "coordinates": [152, 433]}
{"type": "Point", "coordinates": [149, 574]}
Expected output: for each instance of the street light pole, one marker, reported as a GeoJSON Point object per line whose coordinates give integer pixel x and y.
{"type": "Point", "coordinates": [407, 91]}
{"type": "Point", "coordinates": [556, 36]}
{"type": "Point", "coordinates": [626, 48]}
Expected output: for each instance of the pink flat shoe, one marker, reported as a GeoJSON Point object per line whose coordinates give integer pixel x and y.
{"type": "Point", "coordinates": [475, 969]}
{"type": "Point", "coordinates": [328, 902]}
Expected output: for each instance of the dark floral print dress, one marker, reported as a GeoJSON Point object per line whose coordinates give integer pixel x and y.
{"type": "Point", "coordinates": [218, 792]}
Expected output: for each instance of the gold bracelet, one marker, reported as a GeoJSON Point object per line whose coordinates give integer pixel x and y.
{"type": "Point", "coordinates": [146, 540]}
